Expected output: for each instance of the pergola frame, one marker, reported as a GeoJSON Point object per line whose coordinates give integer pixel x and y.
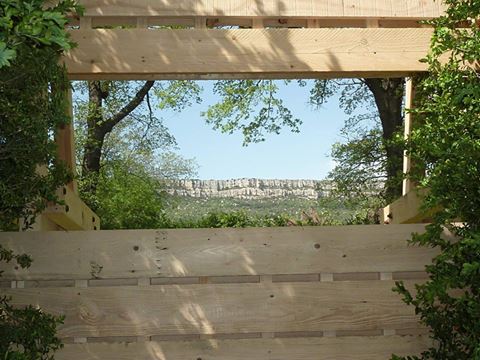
{"type": "Point", "coordinates": [248, 39]}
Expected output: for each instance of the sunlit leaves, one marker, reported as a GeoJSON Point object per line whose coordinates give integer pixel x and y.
{"type": "Point", "coordinates": [29, 23]}
{"type": "Point", "coordinates": [447, 143]}
{"type": "Point", "coordinates": [252, 107]}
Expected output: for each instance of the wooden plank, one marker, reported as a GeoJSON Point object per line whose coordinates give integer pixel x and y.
{"type": "Point", "coordinates": [268, 8]}
{"type": "Point", "coordinates": [246, 53]}
{"type": "Point", "coordinates": [216, 252]}
{"type": "Point", "coordinates": [345, 348]}
{"type": "Point", "coordinates": [222, 308]}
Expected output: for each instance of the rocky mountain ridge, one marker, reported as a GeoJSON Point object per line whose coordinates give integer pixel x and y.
{"type": "Point", "coordinates": [251, 188]}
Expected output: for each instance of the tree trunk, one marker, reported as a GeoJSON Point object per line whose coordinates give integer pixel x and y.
{"type": "Point", "coordinates": [98, 127]}
{"type": "Point", "coordinates": [388, 94]}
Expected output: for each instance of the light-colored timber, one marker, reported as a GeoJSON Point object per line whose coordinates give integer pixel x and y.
{"type": "Point", "coordinates": [222, 308]}
{"type": "Point", "coordinates": [345, 348]}
{"type": "Point", "coordinates": [72, 213]}
{"type": "Point", "coordinates": [135, 54]}
{"type": "Point", "coordinates": [271, 293]}
{"type": "Point", "coordinates": [64, 139]}
{"type": "Point", "coordinates": [398, 9]}
{"type": "Point", "coordinates": [408, 185]}
{"type": "Point", "coordinates": [216, 252]}
{"type": "Point", "coordinates": [406, 210]}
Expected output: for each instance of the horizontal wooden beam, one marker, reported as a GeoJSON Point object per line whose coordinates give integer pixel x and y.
{"type": "Point", "coordinates": [344, 348]}
{"type": "Point", "coordinates": [137, 54]}
{"type": "Point", "coordinates": [419, 9]}
{"type": "Point", "coordinates": [162, 310]}
{"type": "Point", "coordinates": [187, 253]}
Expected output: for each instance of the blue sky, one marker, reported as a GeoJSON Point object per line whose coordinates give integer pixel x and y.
{"type": "Point", "coordinates": [286, 156]}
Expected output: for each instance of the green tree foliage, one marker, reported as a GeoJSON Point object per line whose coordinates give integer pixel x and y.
{"type": "Point", "coordinates": [125, 108]}
{"type": "Point", "coordinates": [131, 191]}
{"type": "Point", "coordinates": [32, 105]}
{"type": "Point", "coordinates": [135, 155]}
{"type": "Point", "coordinates": [33, 24]}
{"type": "Point", "coordinates": [26, 333]}
{"type": "Point", "coordinates": [370, 154]}
{"type": "Point", "coordinates": [448, 143]}
{"type": "Point", "coordinates": [251, 106]}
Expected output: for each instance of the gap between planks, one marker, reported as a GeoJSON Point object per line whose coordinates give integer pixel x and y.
{"type": "Point", "coordinates": [244, 336]}
{"type": "Point", "coordinates": [230, 279]}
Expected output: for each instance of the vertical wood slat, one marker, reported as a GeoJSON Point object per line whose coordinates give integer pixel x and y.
{"type": "Point", "coordinates": [408, 184]}
{"type": "Point", "coordinates": [142, 22]}
{"type": "Point", "coordinates": [200, 22]}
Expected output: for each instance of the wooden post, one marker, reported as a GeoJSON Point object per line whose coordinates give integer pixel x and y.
{"type": "Point", "coordinates": [66, 143]}
{"type": "Point", "coordinates": [408, 184]}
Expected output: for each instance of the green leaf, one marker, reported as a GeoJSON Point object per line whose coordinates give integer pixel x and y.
{"type": "Point", "coordinates": [6, 55]}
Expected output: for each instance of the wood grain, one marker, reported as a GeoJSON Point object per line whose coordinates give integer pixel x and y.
{"type": "Point", "coordinates": [246, 53]}
{"type": "Point", "coordinates": [420, 9]}
{"type": "Point", "coordinates": [345, 348]}
{"type": "Point", "coordinates": [215, 252]}
{"type": "Point", "coordinates": [222, 308]}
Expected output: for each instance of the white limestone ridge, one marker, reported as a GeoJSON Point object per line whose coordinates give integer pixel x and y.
{"type": "Point", "coordinates": [250, 188]}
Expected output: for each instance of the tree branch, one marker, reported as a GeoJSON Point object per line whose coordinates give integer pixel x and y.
{"type": "Point", "coordinates": [127, 109]}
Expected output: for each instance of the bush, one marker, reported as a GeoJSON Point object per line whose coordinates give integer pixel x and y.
{"type": "Point", "coordinates": [447, 142]}
{"type": "Point", "coordinates": [32, 107]}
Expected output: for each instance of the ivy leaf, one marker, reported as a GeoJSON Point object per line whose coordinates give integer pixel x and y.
{"type": "Point", "coordinates": [6, 55]}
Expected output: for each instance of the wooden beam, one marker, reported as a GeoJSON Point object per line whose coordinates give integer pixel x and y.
{"type": "Point", "coordinates": [208, 309]}
{"type": "Point", "coordinates": [74, 214]}
{"type": "Point", "coordinates": [399, 9]}
{"type": "Point", "coordinates": [408, 184]}
{"type": "Point", "coordinates": [302, 348]}
{"type": "Point", "coordinates": [406, 210]}
{"type": "Point", "coordinates": [187, 253]}
{"type": "Point", "coordinates": [137, 54]}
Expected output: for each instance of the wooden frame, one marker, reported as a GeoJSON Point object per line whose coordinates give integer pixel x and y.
{"type": "Point", "coordinates": [270, 39]}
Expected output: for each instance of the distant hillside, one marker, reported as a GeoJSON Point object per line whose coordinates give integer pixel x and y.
{"type": "Point", "coordinates": [251, 188]}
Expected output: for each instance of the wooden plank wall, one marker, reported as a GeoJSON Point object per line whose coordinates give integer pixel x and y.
{"type": "Point", "coordinates": [286, 293]}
